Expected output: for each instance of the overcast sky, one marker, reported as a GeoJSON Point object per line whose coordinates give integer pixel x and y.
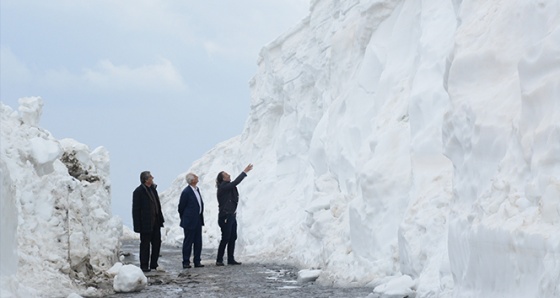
{"type": "Point", "coordinates": [157, 83]}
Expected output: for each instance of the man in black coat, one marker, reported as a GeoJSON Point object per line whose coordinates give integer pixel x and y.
{"type": "Point", "coordinates": [147, 219]}
{"type": "Point", "coordinates": [191, 209]}
{"type": "Point", "coordinates": [228, 198]}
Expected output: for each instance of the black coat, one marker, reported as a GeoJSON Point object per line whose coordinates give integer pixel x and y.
{"type": "Point", "coordinates": [142, 210]}
{"type": "Point", "coordinates": [228, 196]}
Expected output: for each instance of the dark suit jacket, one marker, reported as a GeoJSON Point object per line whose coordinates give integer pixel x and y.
{"type": "Point", "coordinates": [228, 197]}
{"type": "Point", "coordinates": [189, 210]}
{"type": "Point", "coordinates": [142, 218]}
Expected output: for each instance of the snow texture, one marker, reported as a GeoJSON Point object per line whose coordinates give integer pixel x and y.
{"type": "Point", "coordinates": [57, 230]}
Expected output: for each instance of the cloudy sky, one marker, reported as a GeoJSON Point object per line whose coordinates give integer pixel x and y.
{"type": "Point", "coordinates": [158, 83]}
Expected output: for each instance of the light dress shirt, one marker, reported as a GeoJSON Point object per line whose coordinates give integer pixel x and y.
{"type": "Point", "coordinates": [197, 194]}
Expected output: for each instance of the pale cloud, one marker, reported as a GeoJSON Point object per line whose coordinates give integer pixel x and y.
{"type": "Point", "coordinates": [115, 79]}
{"type": "Point", "coordinates": [12, 69]}
{"type": "Point", "coordinates": [213, 48]}
{"type": "Point", "coordinates": [60, 79]}
{"type": "Point", "coordinates": [161, 18]}
{"type": "Point", "coordinates": [162, 74]}
{"type": "Point", "coordinates": [229, 31]}
{"type": "Point", "coordinates": [248, 24]}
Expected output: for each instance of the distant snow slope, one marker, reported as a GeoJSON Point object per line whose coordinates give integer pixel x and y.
{"type": "Point", "coordinates": [393, 138]}
{"type": "Point", "coordinates": [57, 231]}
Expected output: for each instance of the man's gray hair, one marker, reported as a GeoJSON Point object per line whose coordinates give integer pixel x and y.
{"type": "Point", "coordinates": [190, 177]}
{"type": "Point", "coordinates": [144, 176]}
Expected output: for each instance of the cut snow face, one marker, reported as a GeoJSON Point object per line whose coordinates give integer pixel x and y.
{"type": "Point", "coordinates": [57, 231]}
{"type": "Point", "coordinates": [402, 138]}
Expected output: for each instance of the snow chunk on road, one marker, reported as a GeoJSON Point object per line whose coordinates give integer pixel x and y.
{"type": "Point", "coordinates": [130, 279]}
{"type": "Point", "coordinates": [307, 275]}
{"type": "Point", "coordinates": [401, 286]}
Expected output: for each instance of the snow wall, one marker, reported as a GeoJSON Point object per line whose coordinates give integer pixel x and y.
{"type": "Point", "coordinates": [57, 232]}
{"type": "Point", "coordinates": [392, 138]}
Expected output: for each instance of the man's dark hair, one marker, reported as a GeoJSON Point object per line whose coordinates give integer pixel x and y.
{"type": "Point", "coordinates": [144, 176]}
{"type": "Point", "coordinates": [219, 179]}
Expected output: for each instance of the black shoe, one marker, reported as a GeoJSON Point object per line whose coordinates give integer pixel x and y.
{"type": "Point", "coordinates": [234, 263]}
{"type": "Point", "coordinates": [146, 270]}
{"type": "Point", "coordinates": [186, 266]}
{"type": "Point", "coordinates": [198, 265]}
{"type": "Point", "coordinates": [219, 263]}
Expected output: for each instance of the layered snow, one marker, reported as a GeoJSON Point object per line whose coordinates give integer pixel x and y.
{"type": "Point", "coordinates": [395, 141]}
{"type": "Point", "coordinates": [58, 234]}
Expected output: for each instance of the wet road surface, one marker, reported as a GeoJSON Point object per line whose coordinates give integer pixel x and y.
{"type": "Point", "coordinates": [246, 280]}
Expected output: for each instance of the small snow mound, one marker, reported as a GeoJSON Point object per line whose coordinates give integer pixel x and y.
{"type": "Point", "coordinates": [396, 287]}
{"type": "Point", "coordinates": [308, 275]}
{"type": "Point", "coordinates": [130, 279]}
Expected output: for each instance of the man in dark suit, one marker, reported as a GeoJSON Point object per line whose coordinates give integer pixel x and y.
{"type": "Point", "coordinates": [191, 208]}
{"type": "Point", "coordinates": [147, 220]}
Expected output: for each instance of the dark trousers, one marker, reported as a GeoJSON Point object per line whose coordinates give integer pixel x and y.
{"type": "Point", "coordinates": [152, 238]}
{"type": "Point", "coordinates": [228, 225]}
{"type": "Point", "coordinates": [193, 237]}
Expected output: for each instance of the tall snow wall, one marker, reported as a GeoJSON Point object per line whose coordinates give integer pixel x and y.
{"type": "Point", "coordinates": [391, 138]}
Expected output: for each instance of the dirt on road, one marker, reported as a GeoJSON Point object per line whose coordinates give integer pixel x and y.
{"type": "Point", "coordinates": [246, 280]}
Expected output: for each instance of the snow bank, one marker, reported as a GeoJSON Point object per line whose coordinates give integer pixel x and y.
{"type": "Point", "coordinates": [57, 230]}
